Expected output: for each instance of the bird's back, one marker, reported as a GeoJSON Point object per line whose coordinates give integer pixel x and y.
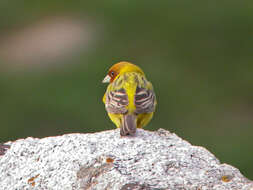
{"type": "Point", "coordinates": [136, 88]}
{"type": "Point", "coordinates": [130, 96]}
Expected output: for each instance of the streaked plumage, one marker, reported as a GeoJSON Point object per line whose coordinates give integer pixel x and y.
{"type": "Point", "coordinates": [129, 99]}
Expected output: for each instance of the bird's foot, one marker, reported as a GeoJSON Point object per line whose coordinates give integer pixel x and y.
{"type": "Point", "coordinates": [127, 134]}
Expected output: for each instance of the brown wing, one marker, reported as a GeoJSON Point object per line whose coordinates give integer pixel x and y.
{"type": "Point", "coordinates": [144, 100]}
{"type": "Point", "coordinates": [116, 101]}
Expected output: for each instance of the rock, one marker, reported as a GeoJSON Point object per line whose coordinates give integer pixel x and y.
{"type": "Point", "coordinates": [104, 160]}
{"type": "Point", "coordinates": [3, 148]}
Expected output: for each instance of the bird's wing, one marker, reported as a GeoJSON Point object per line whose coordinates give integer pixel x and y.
{"type": "Point", "coordinates": [116, 101]}
{"type": "Point", "coordinates": [145, 100]}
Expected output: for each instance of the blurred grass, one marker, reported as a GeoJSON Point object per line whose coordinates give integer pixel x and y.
{"type": "Point", "coordinates": [197, 54]}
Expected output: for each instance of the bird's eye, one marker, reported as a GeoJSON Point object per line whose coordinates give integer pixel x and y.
{"type": "Point", "coordinates": [112, 73]}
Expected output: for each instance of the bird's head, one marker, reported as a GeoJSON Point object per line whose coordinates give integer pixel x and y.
{"type": "Point", "coordinates": [121, 68]}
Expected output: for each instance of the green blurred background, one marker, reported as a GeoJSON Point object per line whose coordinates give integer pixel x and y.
{"type": "Point", "coordinates": [198, 55]}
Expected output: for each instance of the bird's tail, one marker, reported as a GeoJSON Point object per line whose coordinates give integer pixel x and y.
{"type": "Point", "coordinates": [128, 126]}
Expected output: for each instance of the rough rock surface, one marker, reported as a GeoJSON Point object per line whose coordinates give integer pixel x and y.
{"type": "Point", "coordinates": [104, 160]}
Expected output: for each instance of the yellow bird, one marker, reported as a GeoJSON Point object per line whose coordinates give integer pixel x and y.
{"type": "Point", "coordinates": [129, 99]}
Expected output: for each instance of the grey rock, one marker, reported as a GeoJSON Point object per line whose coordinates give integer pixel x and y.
{"type": "Point", "coordinates": [156, 160]}
{"type": "Point", "coordinates": [3, 148]}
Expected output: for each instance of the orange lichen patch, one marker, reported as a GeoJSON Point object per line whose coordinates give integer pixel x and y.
{"type": "Point", "coordinates": [31, 180]}
{"type": "Point", "coordinates": [226, 178]}
{"type": "Point", "coordinates": [109, 160]}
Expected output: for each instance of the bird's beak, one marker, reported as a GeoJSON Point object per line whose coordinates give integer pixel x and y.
{"type": "Point", "coordinates": [107, 79]}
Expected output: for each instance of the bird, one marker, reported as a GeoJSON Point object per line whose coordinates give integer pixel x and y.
{"type": "Point", "coordinates": [130, 100]}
